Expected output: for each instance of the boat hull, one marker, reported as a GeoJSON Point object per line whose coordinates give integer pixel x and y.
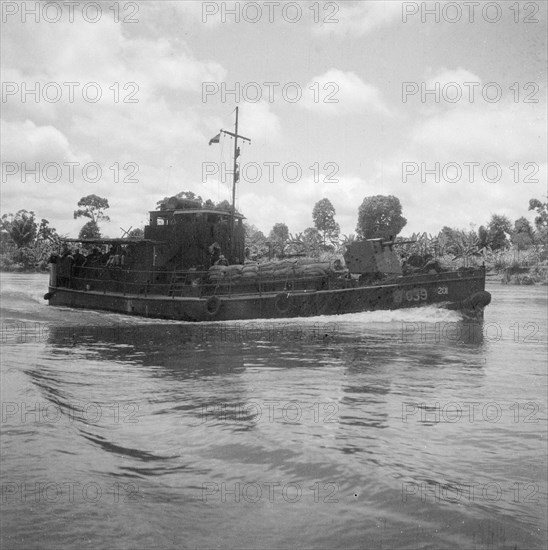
{"type": "Point", "coordinates": [459, 290]}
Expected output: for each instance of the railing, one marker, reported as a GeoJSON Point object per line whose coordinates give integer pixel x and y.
{"type": "Point", "coordinates": [200, 283]}
{"type": "Point", "coordinates": [186, 283]}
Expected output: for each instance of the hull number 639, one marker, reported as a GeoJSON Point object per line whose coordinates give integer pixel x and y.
{"type": "Point", "coordinates": [411, 295]}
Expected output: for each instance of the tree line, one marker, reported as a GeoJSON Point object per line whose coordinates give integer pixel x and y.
{"type": "Point", "coordinates": [26, 243]}
{"type": "Point", "coordinates": [381, 216]}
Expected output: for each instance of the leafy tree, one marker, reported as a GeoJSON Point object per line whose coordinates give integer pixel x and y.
{"type": "Point", "coordinates": [380, 217]}
{"type": "Point", "coordinates": [21, 227]}
{"type": "Point", "coordinates": [483, 237]}
{"type": "Point", "coordinates": [90, 230]}
{"type": "Point", "coordinates": [92, 207]}
{"type": "Point", "coordinates": [162, 203]}
{"type": "Point", "coordinates": [31, 244]}
{"type": "Point", "coordinates": [224, 206]}
{"type": "Point", "coordinates": [279, 234]}
{"type": "Point", "coordinates": [312, 238]}
{"type": "Point", "coordinates": [522, 235]}
{"type": "Point", "coordinates": [255, 241]}
{"type": "Point", "coordinates": [323, 216]}
{"type": "Point", "coordinates": [47, 233]}
{"type": "Point", "coordinates": [498, 229]}
{"type": "Point", "coordinates": [541, 208]}
{"type": "Point", "coordinates": [137, 233]}
{"type": "Point", "coordinates": [253, 236]}
{"type": "Point", "coordinates": [450, 240]}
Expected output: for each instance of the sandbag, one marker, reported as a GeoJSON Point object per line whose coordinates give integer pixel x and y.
{"type": "Point", "coordinates": [234, 269]}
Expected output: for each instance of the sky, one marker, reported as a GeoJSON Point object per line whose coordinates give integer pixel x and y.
{"type": "Point", "coordinates": [442, 104]}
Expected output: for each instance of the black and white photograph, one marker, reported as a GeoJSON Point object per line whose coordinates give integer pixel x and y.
{"type": "Point", "coordinates": [274, 275]}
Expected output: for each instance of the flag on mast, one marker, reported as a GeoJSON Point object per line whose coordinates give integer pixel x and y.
{"type": "Point", "coordinates": [215, 139]}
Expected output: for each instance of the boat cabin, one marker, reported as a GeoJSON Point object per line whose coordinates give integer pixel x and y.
{"type": "Point", "coordinates": [191, 236]}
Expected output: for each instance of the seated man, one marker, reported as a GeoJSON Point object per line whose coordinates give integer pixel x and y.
{"type": "Point", "coordinates": [64, 267]}
{"type": "Point", "coordinates": [78, 261]}
{"type": "Point", "coordinates": [215, 251]}
{"type": "Point", "coordinates": [114, 258]}
{"type": "Point", "coordinates": [221, 261]}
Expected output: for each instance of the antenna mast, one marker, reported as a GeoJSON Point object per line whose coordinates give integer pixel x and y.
{"type": "Point", "coordinates": [235, 177]}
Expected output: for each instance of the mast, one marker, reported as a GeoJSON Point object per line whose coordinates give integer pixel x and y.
{"type": "Point", "coordinates": [235, 177]}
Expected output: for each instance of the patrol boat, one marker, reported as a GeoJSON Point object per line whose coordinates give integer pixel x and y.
{"type": "Point", "coordinates": [176, 272]}
{"type": "Point", "coordinates": [166, 275]}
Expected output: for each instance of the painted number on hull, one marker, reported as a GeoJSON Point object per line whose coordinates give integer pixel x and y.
{"type": "Point", "coordinates": [413, 295]}
{"type": "Point", "coordinates": [443, 290]}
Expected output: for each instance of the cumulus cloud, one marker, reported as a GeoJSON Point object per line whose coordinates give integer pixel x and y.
{"type": "Point", "coordinates": [261, 122]}
{"type": "Point", "coordinates": [359, 18]}
{"type": "Point", "coordinates": [470, 161]}
{"type": "Point", "coordinates": [292, 203]}
{"type": "Point", "coordinates": [338, 92]}
{"type": "Point", "coordinates": [31, 143]}
{"type": "Point", "coordinates": [503, 131]}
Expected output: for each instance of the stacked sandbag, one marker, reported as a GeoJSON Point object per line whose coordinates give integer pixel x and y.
{"type": "Point", "coordinates": [249, 272]}
{"type": "Point", "coordinates": [233, 273]}
{"type": "Point", "coordinates": [217, 272]}
{"type": "Point", "coordinates": [270, 271]}
{"type": "Point", "coordinates": [226, 273]}
{"type": "Point", "coordinates": [316, 269]}
{"type": "Point", "coordinates": [276, 270]}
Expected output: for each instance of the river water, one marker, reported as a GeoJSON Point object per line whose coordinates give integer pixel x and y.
{"type": "Point", "coordinates": [391, 430]}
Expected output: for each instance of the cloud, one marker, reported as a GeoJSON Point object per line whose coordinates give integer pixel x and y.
{"type": "Point", "coordinates": [260, 122]}
{"type": "Point", "coordinates": [121, 69]}
{"type": "Point", "coordinates": [486, 158]}
{"type": "Point", "coordinates": [292, 203]}
{"type": "Point", "coordinates": [31, 143]}
{"type": "Point", "coordinates": [337, 92]}
{"type": "Point", "coordinates": [445, 76]}
{"type": "Point", "coordinates": [504, 132]}
{"type": "Point", "coordinates": [360, 18]}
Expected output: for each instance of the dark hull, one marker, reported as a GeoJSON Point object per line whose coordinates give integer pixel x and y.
{"type": "Point", "coordinates": [459, 290]}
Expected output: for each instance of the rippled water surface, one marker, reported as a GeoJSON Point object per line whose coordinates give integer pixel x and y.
{"type": "Point", "coordinates": [410, 429]}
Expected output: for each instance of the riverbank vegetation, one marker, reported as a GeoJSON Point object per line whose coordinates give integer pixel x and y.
{"type": "Point", "coordinates": [515, 253]}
